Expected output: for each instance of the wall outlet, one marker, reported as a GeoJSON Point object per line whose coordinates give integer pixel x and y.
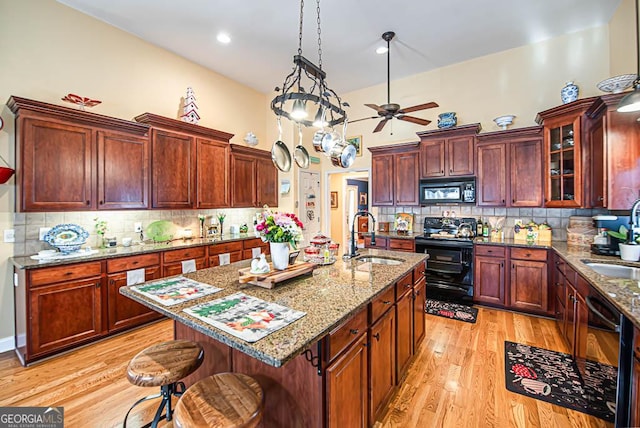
{"type": "Point", "coordinates": [9, 235]}
{"type": "Point", "coordinates": [137, 227]}
{"type": "Point", "coordinates": [43, 232]}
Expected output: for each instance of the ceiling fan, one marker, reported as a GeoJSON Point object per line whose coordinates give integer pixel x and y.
{"type": "Point", "coordinates": [390, 110]}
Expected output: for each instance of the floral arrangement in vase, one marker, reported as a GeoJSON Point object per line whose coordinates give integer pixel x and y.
{"type": "Point", "coordinates": [280, 228]}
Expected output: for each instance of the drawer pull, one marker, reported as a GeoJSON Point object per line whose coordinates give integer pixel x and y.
{"type": "Point", "coordinates": [354, 331]}
{"type": "Point", "coordinates": [386, 302]}
{"type": "Point", "coordinates": [111, 282]}
{"type": "Point", "coordinates": [377, 336]}
{"type": "Point", "coordinates": [98, 284]}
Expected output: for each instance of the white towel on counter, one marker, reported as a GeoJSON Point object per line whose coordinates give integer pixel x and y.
{"type": "Point", "coordinates": [225, 259]}
{"type": "Point", "coordinates": [255, 252]}
{"type": "Point", "coordinates": [135, 276]}
{"type": "Point", "coordinates": [188, 266]}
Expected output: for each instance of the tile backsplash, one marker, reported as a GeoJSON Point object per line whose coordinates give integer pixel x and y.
{"type": "Point", "coordinates": [120, 224]}
{"type": "Point", "coordinates": [557, 218]}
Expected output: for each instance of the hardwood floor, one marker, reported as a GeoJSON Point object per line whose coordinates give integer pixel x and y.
{"type": "Point", "coordinates": [456, 380]}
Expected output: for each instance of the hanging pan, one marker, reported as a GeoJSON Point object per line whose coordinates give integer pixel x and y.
{"type": "Point", "coordinates": [280, 154]}
{"type": "Point", "coordinates": [342, 153]}
{"type": "Point", "coordinates": [300, 154]}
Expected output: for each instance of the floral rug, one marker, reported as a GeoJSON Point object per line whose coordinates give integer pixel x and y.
{"type": "Point", "coordinates": [451, 310]}
{"type": "Point", "coordinates": [553, 377]}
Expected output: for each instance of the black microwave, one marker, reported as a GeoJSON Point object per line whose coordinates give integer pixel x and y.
{"type": "Point", "coordinates": [448, 191]}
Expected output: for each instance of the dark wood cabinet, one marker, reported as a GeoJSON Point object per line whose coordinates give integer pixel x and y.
{"type": "Point", "coordinates": [57, 308]}
{"type": "Point", "coordinates": [382, 362]}
{"type": "Point", "coordinates": [614, 140]}
{"type": "Point", "coordinates": [566, 153]}
{"type": "Point", "coordinates": [528, 282]}
{"type": "Point", "coordinates": [395, 173]}
{"type": "Point", "coordinates": [190, 164]}
{"type": "Point", "coordinates": [634, 411]}
{"type": "Point", "coordinates": [123, 171]}
{"type": "Point", "coordinates": [346, 382]}
{"type": "Point", "coordinates": [405, 319]}
{"type": "Point", "coordinates": [213, 168]}
{"type": "Point", "coordinates": [509, 166]}
{"type": "Point", "coordinates": [233, 249]}
{"type": "Point", "coordinates": [71, 160]}
{"type": "Point", "coordinates": [172, 261]}
{"type": "Point", "coordinates": [419, 314]}
{"type": "Point", "coordinates": [448, 152]}
{"type": "Point", "coordinates": [173, 169]}
{"type": "Point", "coordinates": [393, 244]}
{"type": "Point", "coordinates": [124, 312]}
{"type": "Point", "coordinates": [254, 178]}
{"type": "Point", "coordinates": [489, 275]}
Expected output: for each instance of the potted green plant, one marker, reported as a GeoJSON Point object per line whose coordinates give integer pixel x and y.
{"type": "Point", "coordinates": [629, 249]}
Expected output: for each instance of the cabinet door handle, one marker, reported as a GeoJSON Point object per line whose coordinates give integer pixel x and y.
{"type": "Point", "coordinates": [503, 201]}
{"type": "Point", "coordinates": [450, 171]}
{"type": "Point", "coordinates": [501, 264]}
{"type": "Point", "coordinates": [354, 331]}
{"type": "Point", "coordinates": [111, 282]}
{"type": "Point", "coordinates": [600, 198]}
{"type": "Point", "coordinates": [442, 171]}
{"type": "Point", "coordinates": [101, 202]}
{"type": "Point", "coordinates": [377, 336]}
{"type": "Point", "coordinates": [513, 201]}
{"type": "Point", "coordinates": [528, 255]}
{"type": "Point", "coordinates": [88, 202]}
{"type": "Point", "coordinates": [386, 302]}
{"type": "Point", "coordinates": [98, 284]}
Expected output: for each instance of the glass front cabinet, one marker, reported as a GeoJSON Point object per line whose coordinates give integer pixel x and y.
{"type": "Point", "coordinates": [564, 148]}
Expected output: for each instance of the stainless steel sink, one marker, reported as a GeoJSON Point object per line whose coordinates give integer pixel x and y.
{"type": "Point", "coordinates": [379, 260]}
{"type": "Point", "coordinates": [616, 271]}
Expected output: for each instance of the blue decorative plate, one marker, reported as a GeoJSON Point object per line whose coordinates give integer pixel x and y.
{"type": "Point", "coordinates": [66, 237]}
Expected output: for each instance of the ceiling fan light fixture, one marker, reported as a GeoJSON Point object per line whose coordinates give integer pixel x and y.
{"type": "Point", "coordinates": [291, 102]}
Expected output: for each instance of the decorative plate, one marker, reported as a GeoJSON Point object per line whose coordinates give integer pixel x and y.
{"type": "Point", "coordinates": [161, 230]}
{"type": "Point", "coordinates": [617, 84]}
{"type": "Point", "coordinates": [66, 237]}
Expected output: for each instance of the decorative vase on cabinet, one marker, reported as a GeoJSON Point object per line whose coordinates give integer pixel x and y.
{"type": "Point", "coordinates": [569, 93]}
{"type": "Point", "coordinates": [279, 255]}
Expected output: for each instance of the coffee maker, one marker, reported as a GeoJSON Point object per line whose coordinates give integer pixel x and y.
{"type": "Point", "coordinates": [603, 244]}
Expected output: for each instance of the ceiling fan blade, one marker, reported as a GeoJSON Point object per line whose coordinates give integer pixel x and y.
{"type": "Point", "coordinates": [415, 120]}
{"type": "Point", "coordinates": [381, 125]}
{"type": "Point", "coordinates": [419, 107]}
{"type": "Point", "coordinates": [375, 107]}
{"type": "Point", "coordinates": [364, 118]}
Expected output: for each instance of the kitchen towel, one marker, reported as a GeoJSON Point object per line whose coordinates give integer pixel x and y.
{"type": "Point", "coordinates": [135, 276]}
{"type": "Point", "coordinates": [188, 266]}
{"type": "Point", "coordinates": [225, 259]}
{"type": "Point", "coordinates": [255, 252]}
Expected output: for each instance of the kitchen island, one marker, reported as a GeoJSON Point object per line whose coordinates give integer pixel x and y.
{"type": "Point", "coordinates": [306, 367]}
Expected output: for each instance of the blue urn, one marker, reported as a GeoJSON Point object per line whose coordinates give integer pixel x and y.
{"type": "Point", "coordinates": [569, 93]}
{"type": "Point", "coordinates": [447, 120]}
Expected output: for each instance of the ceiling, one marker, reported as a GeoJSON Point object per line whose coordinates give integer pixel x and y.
{"type": "Point", "coordinates": [429, 34]}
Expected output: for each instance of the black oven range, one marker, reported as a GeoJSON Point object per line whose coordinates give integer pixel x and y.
{"type": "Point", "coordinates": [450, 263]}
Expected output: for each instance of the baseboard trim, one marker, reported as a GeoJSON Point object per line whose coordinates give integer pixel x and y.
{"type": "Point", "coordinates": [7, 344]}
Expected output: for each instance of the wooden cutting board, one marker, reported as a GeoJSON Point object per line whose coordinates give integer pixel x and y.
{"type": "Point", "coordinates": [270, 279]}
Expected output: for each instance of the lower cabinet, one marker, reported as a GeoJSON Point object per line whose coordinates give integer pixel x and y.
{"type": "Point", "coordinates": [419, 314]}
{"type": "Point", "coordinates": [405, 339]}
{"type": "Point", "coordinates": [123, 312]}
{"type": "Point", "coordinates": [233, 249]}
{"type": "Point", "coordinates": [173, 260]}
{"type": "Point", "coordinates": [57, 308]}
{"type": "Point", "coordinates": [525, 288]}
{"type": "Point", "coordinates": [382, 361]}
{"type": "Point", "coordinates": [394, 244]}
{"type": "Point", "coordinates": [635, 381]}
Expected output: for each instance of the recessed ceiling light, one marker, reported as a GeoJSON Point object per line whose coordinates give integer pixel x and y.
{"type": "Point", "coordinates": [382, 50]}
{"type": "Point", "coordinates": [224, 38]}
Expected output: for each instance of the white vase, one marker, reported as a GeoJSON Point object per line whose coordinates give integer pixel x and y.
{"type": "Point", "coordinates": [279, 255]}
{"type": "Point", "coordinates": [630, 252]}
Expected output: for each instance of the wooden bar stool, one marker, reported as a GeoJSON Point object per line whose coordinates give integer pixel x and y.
{"type": "Point", "coordinates": [163, 365]}
{"type": "Point", "coordinates": [229, 400]}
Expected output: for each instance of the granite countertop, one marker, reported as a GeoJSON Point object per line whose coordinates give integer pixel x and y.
{"type": "Point", "coordinates": [624, 294]}
{"type": "Point", "coordinates": [329, 296]}
{"type": "Point", "coordinates": [26, 262]}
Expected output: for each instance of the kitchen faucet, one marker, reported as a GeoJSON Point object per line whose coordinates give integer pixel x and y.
{"type": "Point", "coordinates": [635, 225]}
{"type": "Point", "coordinates": [354, 250]}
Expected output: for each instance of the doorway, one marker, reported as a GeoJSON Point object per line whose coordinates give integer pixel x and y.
{"type": "Point", "coordinates": [309, 206]}
{"type": "Point", "coordinates": [344, 191]}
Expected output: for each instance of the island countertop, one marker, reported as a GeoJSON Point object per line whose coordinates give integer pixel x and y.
{"type": "Point", "coordinates": [329, 296]}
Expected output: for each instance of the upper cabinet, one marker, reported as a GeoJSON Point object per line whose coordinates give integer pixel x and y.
{"type": "Point", "coordinates": [448, 152]}
{"type": "Point", "coordinates": [189, 164]}
{"type": "Point", "coordinates": [615, 150]}
{"type": "Point", "coordinates": [72, 160]}
{"type": "Point", "coordinates": [567, 150]}
{"type": "Point", "coordinates": [509, 168]}
{"type": "Point", "coordinates": [395, 173]}
{"type": "Point", "coordinates": [254, 180]}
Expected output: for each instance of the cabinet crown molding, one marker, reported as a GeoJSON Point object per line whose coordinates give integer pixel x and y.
{"type": "Point", "coordinates": [158, 121]}
{"type": "Point", "coordinates": [511, 134]}
{"type": "Point", "coordinates": [20, 106]}
{"type": "Point", "coordinates": [578, 107]}
{"type": "Point", "coordinates": [396, 148]}
{"type": "Point", "coordinates": [473, 128]}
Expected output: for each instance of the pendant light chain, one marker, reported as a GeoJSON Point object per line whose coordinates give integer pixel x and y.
{"type": "Point", "coordinates": [319, 34]}
{"type": "Point", "coordinates": [300, 32]}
